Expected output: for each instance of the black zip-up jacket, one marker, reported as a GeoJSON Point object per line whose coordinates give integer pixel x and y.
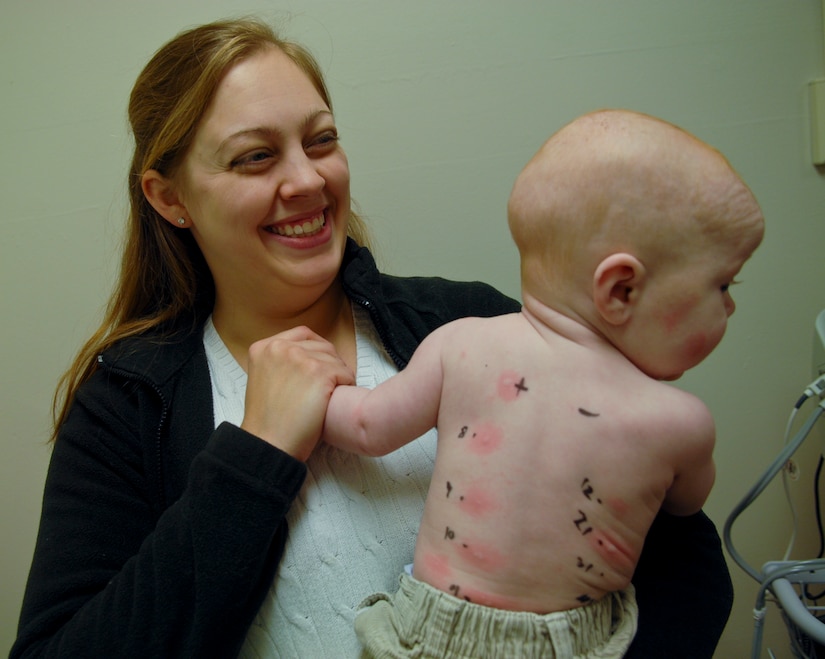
{"type": "Point", "coordinates": [161, 535]}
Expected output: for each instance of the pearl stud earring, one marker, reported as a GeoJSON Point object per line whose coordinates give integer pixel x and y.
{"type": "Point", "coordinates": [181, 221]}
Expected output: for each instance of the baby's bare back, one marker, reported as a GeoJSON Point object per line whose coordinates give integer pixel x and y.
{"type": "Point", "coordinates": [552, 462]}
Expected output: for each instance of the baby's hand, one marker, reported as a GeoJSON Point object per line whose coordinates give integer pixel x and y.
{"type": "Point", "coordinates": [291, 377]}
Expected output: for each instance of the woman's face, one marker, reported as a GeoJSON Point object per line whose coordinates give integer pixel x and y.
{"type": "Point", "coordinates": [265, 186]}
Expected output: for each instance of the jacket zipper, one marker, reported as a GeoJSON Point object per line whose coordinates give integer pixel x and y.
{"type": "Point", "coordinates": [383, 333]}
{"type": "Point", "coordinates": [161, 497]}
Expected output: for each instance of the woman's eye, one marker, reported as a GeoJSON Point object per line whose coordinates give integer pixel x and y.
{"type": "Point", "coordinates": [324, 140]}
{"type": "Point", "coordinates": [253, 160]}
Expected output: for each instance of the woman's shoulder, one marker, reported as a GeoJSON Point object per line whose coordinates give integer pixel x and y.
{"type": "Point", "coordinates": [131, 392]}
{"type": "Point", "coordinates": [156, 355]}
{"type": "Point", "coordinates": [453, 299]}
{"type": "Point", "coordinates": [436, 295]}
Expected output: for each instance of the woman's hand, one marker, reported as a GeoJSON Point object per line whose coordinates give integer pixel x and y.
{"type": "Point", "coordinates": [290, 378]}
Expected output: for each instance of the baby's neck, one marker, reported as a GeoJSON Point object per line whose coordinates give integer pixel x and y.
{"type": "Point", "coordinates": [566, 322]}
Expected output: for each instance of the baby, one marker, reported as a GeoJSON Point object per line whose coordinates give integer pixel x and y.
{"type": "Point", "coordinates": [558, 441]}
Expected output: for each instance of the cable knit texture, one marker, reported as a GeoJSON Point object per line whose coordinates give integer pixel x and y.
{"type": "Point", "coordinates": [352, 527]}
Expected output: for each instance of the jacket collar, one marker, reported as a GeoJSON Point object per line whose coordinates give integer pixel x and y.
{"type": "Point", "coordinates": [158, 355]}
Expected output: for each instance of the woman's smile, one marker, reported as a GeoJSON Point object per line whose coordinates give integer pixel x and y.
{"type": "Point", "coordinates": [303, 228]}
{"type": "Point", "coordinates": [304, 232]}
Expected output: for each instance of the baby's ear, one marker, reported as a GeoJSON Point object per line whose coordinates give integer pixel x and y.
{"type": "Point", "coordinates": [616, 285]}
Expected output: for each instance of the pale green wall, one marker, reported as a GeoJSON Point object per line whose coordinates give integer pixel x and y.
{"type": "Point", "coordinates": [439, 103]}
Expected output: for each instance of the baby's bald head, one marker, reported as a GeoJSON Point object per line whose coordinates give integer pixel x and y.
{"type": "Point", "coordinates": [620, 181]}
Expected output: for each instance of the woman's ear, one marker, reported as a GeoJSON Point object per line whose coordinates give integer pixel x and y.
{"type": "Point", "coordinates": [161, 193]}
{"type": "Point", "coordinates": [617, 284]}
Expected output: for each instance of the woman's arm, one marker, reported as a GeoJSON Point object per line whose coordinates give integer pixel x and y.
{"type": "Point", "coordinates": [683, 588]}
{"type": "Point", "coordinates": [113, 575]}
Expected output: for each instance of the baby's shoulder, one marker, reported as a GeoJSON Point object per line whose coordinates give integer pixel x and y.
{"type": "Point", "coordinates": [483, 328]}
{"type": "Point", "coordinates": [686, 416]}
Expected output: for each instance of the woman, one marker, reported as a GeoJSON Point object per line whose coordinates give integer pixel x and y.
{"type": "Point", "coordinates": [186, 429]}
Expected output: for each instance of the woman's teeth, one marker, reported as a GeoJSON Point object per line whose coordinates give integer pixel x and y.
{"type": "Point", "coordinates": [308, 228]}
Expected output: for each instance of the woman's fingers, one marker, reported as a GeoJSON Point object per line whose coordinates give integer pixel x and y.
{"type": "Point", "coordinates": [290, 378]}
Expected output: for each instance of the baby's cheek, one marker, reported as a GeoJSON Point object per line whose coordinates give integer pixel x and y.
{"type": "Point", "coordinates": [673, 317]}
{"type": "Point", "coordinates": [697, 347]}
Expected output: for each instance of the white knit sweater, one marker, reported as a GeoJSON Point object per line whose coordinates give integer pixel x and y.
{"type": "Point", "coordinates": [352, 528]}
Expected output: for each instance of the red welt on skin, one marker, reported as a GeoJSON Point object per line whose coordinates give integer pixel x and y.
{"type": "Point", "coordinates": [486, 438]}
{"type": "Point", "coordinates": [507, 385]}
{"type": "Point", "coordinates": [477, 502]}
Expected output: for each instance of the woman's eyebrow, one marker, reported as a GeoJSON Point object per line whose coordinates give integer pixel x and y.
{"type": "Point", "coordinates": [248, 132]}
{"type": "Point", "coordinates": [268, 131]}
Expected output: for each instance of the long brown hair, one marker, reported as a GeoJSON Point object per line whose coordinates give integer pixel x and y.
{"type": "Point", "coordinates": [163, 277]}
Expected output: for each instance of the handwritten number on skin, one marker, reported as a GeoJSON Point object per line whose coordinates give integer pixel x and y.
{"type": "Point", "coordinates": [581, 524]}
{"type": "Point", "coordinates": [584, 528]}
{"type": "Point", "coordinates": [455, 589]}
{"type": "Point", "coordinates": [587, 490]}
{"type": "Point", "coordinates": [450, 490]}
{"type": "Point", "coordinates": [585, 566]}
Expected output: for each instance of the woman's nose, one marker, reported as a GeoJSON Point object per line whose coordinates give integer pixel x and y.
{"type": "Point", "coordinates": [301, 178]}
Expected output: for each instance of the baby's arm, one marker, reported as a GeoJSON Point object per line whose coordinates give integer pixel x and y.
{"type": "Point", "coordinates": [695, 471]}
{"type": "Point", "coordinates": [376, 422]}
